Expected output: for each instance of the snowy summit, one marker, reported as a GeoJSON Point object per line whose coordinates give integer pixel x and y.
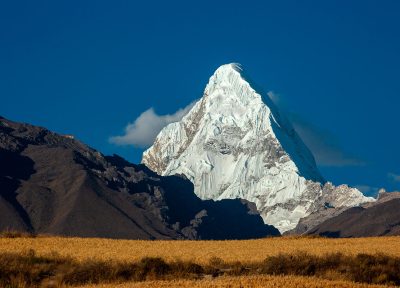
{"type": "Point", "coordinates": [234, 143]}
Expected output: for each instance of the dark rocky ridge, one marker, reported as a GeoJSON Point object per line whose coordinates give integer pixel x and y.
{"type": "Point", "coordinates": [381, 218]}
{"type": "Point", "coordinates": [54, 184]}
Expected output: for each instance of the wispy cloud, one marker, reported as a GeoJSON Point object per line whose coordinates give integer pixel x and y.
{"type": "Point", "coordinates": [143, 131]}
{"type": "Point", "coordinates": [394, 177]}
{"type": "Point", "coordinates": [275, 97]}
{"type": "Point", "coordinates": [324, 146]}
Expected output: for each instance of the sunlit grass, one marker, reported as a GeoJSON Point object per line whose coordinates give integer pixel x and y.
{"type": "Point", "coordinates": [270, 262]}
{"type": "Point", "coordinates": [198, 251]}
{"type": "Point", "coordinates": [244, 282]}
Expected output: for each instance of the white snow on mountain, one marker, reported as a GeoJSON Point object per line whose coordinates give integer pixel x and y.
{"type": "Point", "coordinates": [234, 143]}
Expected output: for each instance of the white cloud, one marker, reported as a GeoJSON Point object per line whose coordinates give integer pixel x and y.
{"type": "Point", "coordinates": [143, 131]}
{"type": "Point", "coordinates": [394, 177]}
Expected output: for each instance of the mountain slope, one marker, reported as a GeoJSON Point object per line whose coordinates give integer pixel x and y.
{"type": "Point", "coordinates": [236, 144]}
{"type": "Point", "coordinates": [54, 184]}
{"type": "Point", "coordinates": [382, 219]}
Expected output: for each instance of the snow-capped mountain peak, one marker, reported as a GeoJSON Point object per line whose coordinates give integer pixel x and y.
{"type": "Point", "coordinates": [234, 143]}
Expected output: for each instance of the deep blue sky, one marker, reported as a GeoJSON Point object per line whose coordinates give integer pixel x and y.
{"type": "Point", "coordinates": [88, 68]}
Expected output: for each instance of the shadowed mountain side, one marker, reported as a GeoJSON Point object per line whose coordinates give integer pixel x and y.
{"type": "Point", "coordinates": [54, 184]}
{"type": "Point", "coordinates": [378, 220]}
{"type": "Point", "coordinates": [224, 219]}
{"type": "Point", "coordinates": [19, 168]}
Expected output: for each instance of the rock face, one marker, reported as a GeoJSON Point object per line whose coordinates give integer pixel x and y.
{"type": "Point", "coordinates": [57, 185]}
{"type": "Point", "coordinates": [381, 218]}
{"type": "Point", "coordinates": [234, 143]}
{"type": "Point", "coordinates": [309, 224]}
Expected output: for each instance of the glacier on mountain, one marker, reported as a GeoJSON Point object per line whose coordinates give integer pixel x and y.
{"type": "Point", "coordinates": [234, 143]}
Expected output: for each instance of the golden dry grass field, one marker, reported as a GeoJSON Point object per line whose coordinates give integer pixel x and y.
{"type": "Point", "coordinates": [205, 252]}
{"type": "Point", "coordinates": [243, 282]}
{"type": "Point", "coordinates": [198, 251]}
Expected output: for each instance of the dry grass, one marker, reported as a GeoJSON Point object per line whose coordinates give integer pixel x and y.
{"type": "Point", "coordinates": [200, 252]}
{"type": "Point", "coordinates": [246, 263]}
{"type": "Point", "coordinates": [243, 282]}
{"type": "Point", "coordinates": [29, 270]}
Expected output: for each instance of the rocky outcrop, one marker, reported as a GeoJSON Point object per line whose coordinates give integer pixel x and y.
{"type": "Point", "coordinates": [309, 223]}
{"type": "Point", "coordinates": [381, 218]}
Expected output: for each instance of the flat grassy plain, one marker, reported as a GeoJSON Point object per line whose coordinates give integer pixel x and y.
{"type": "Point", "coordinates": [244, 282]}
{"type": "Point", "coordinates": [201, 252]}
{"type": "Point", "coordinates": [269, 262]}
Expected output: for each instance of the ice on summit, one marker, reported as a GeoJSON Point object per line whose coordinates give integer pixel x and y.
{"type": "Point", "coordinates": [234, 143]}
